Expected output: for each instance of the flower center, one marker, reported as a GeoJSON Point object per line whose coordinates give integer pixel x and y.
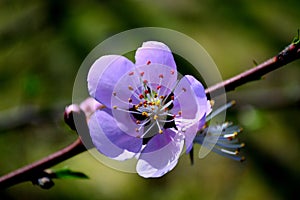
{"type": "Point", "coordinates": [150, 107]}
{"type": "Point", "coordinates": [153, 111]}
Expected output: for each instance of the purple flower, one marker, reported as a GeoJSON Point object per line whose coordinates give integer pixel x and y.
{"type": "Point", "coordinates": [148, 114]}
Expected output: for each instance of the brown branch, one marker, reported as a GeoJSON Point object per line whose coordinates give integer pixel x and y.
{"type": "Point", "coordinates": [35, 170]}
{"type": "Point", "coordinates": [289, 54]}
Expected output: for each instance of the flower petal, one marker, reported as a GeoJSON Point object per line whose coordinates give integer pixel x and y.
{"type": "Point", "coordinates": [160, 155]}
{"type": "Point", "coordinates": [190, 134]}
{"type": "Point", "coordinates": [201, 98]}
{"type": "Point", "coordinates": [104, 74]}
{"type": "Point", "coordinates": [190, 100]}
{"type": "Point", "coordinates": [109, 139]}
{"type": "Point", "coordinates": [155, 52]}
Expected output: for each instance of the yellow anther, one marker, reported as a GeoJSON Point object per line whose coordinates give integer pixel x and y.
{"type": "Point", "coordinates": [155, 117]}
{"type": "Point", "coordinates": [157, 102]}
{"type": "Point", "coordinates": [160, 131]}
{"type": "Point", "coordinates": [145, 114]}
{"type": "Point", "coordinates": [212, 103]}
{"type": "Point", "coordinates": [130, 87]}
{"type": "Point", "coordinates": [115, 107]}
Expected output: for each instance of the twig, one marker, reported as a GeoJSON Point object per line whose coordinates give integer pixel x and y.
{"type": "Point", "coordinates": [36, 169]}
{"type": "Point", "coordinates": [289, 54]}
{"type": "Point", "coordinates": [33, 171]}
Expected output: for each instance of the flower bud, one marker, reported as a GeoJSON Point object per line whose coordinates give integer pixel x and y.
{"type": "Point", "coordinates": [69, 115]}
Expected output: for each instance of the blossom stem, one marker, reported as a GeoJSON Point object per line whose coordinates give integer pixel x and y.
{"type": "Point", "coordinates": [34, 170]}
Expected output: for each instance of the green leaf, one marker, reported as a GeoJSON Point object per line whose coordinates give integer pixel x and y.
{"type": "Point", "coordinates": [66, 173]}
{"type": "Point", "coordinates": [296, 39]}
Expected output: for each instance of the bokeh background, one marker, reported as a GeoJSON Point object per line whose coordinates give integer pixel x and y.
{"type": "Point", "coordinates": [42, 45]}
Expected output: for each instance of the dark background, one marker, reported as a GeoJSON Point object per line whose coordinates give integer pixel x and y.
{"type": "Point", "coordinates": [42, 45]}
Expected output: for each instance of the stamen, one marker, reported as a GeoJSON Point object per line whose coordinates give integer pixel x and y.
{"type": "Point", "coordinates": [142, 73]}
{"type": "Point", "coordinates": [159, 129]}
{"type": "Point", "coordinates": [130, 87]}
{"type": "Point", "coordinates": [148, 129]}
{"type": "Point", "coordinates": [158, 87]}
{"type": "Point", "coordinates": [155, 117]}
{"type": "Point", "coordinates": [125, 102]}
{"type": "Point", "coordinates": [172, 72]}
{"type": "Point", "coordinates": [166, 105]}
{"type": "Point", "coordinates": [212, 103]}
{"type": "Point", "coordinates": [230, 152]}
{"type": "Point", "coordinates": [166, 121]}
{"type": "Point", "coordinates": [149, 62]}
{"type": "Point", "coordinates": [130, 100]}
{"type": "Point", "coordinates": [141, 96]}
{"type": "Point", "coordinates": [157, 103]}
{"type": "Point", "coordinates": [145, 114]}
{"type": "Point", "coordinates": [232, 135]}
{"type": "Point", "coordinates": [125, 110]}
{"type": "Point", "coordinates": [161, 76]}
{"type": "Point", "coordinates": [130, 73]}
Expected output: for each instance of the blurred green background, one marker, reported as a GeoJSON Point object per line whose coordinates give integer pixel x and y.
{"type": "Point", "coordinates": [42, 45]}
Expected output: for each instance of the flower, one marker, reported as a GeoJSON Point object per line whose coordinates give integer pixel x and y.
{"type": "Point", "coordinates": [148, 114]}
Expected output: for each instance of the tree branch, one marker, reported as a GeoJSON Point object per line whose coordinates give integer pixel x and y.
{"type": "Point", "coordinates": [36, 170]}
{"type": "Point", "coordinates": [289, 54]}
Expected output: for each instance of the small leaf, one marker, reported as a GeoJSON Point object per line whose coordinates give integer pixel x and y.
{"type": "Point", "coordinates": [297, 39]}
{"type": "Point", "coordinates": [66, 173]}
